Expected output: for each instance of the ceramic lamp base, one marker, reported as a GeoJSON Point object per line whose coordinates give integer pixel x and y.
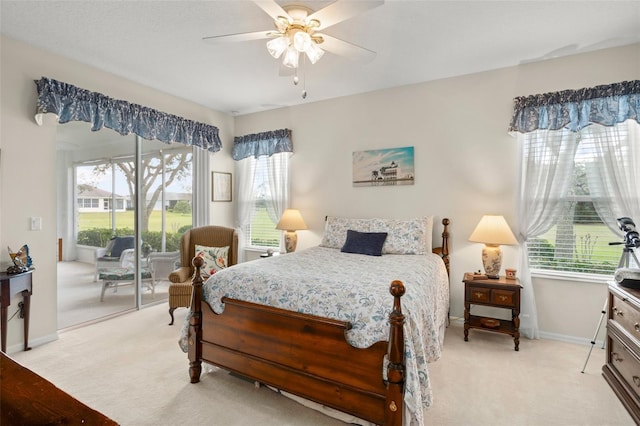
{"type": "Point", "coordinates": [492, 260]}
{"type": "Point", "coordinates": [290, 241]}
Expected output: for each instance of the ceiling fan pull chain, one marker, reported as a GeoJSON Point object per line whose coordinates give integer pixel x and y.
{"type": "Point", "coordinates": [304, 78]}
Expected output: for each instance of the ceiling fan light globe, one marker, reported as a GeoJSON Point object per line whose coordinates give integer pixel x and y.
{"type": "Point", "coordinates": [282, 23]}
{"type": "Point", "coordinates": [314, 53]}
{"type": "Point", "coordinates": [291, 58]}
{"type": "Point", "coordinates": [301, 41]}
{"type": "Point", "coordinates": [277, 46]}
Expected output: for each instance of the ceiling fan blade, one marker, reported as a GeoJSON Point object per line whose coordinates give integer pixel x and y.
{"type": "Point", "coordinates": [272, 8]}
{"type": "Point", "coordinates": [341, 11]}
{"type": "Point", "coordinates": [232, 38]}
{"type": "Point", "coordinates": [344, 48]}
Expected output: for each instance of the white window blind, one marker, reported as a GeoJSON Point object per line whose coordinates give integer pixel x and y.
{"type": "Point", "coordinates": [261, 230]}
{"type": "Point", "coordinates": [580, 239]}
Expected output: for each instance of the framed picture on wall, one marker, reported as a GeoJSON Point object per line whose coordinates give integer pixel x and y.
{"type": "Point", "coordinates": [381, 167]}
{"type": "Point", "coordinates": [220, 186]}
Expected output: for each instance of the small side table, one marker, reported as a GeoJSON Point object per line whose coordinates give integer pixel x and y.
{"type": "Point", "coordinates": [11, 285]}
{"type": "Point", "coordinates": [500, 293]}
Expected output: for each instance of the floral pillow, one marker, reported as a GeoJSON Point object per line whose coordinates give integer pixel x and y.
{"type": "Point", "coordinates": [335, 230]}
{"type": "Point", "coordinates": [413, 236]}
{"type": "Point", "coordinates": [215, 259]}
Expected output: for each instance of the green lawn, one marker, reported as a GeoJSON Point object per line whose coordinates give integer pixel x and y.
{"type": "Point", "coordinates": [174, 221]}
{"type": "Point", "coordinates": [599, 235]}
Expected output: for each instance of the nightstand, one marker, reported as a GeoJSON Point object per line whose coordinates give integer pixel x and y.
{"type": "Point", "coordinates": [498, 293]}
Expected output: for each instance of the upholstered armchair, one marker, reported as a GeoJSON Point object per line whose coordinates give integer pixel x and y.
{"type": "Point", "coordinates": [208, 236]}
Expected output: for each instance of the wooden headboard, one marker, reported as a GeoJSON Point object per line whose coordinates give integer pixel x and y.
{"type": "Point", "coordinates": [443, 251]}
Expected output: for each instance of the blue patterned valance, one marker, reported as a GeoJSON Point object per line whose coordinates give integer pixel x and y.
{"type": "Point", "coordinates": [575, 109]}
{"type": "Point", "coordinates": [71, 103]}
{"type": "Point", "coordinates": [266, 143]}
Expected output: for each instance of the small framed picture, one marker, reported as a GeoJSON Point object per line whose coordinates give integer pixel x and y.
{"type": "Point", "coordinates": [220, 186]}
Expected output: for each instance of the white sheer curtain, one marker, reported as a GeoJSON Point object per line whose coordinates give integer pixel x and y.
{"type": "Point", "coordinates": [245, 170]}
{"type": "Point", "coordinates": [278, 174]}
{"type": "Point", "coordinates": [614, 173]}
{"type": "Point", "coordinates": [547, 161]}
{"type": "Point", "coordinates": [201, 187]}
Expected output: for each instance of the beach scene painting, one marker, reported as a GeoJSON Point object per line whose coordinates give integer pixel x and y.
{"type": "Point", "coordinates": [380, 167]}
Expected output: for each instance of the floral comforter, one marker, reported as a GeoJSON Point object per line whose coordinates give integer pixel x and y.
{"type": "Point", "coordinates": [351, 287]}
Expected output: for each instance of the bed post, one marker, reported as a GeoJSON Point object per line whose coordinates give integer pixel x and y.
{"type": "Point", "coordinates": [395, 368]}
{"type": "Point", "coordinates": [195, 323]}
{"type": "Point", "coordinates": [445, 243]}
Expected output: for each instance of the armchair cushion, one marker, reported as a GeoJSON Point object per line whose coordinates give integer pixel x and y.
{"type": "Point", "coordinates": [119, 244]}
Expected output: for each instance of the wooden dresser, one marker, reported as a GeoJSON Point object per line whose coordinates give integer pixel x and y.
{"type": "Point", "coordinates": [622, 370]}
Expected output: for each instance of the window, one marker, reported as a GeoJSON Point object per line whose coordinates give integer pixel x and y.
{"type": "Point", "coordinates": [106, 190]}
{"type": "Point", "coordinates": [580, 239]}
{"type": "Point", "coordinates": [270, 175]}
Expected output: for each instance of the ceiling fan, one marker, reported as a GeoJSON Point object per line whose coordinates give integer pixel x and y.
{"type": "Point", "coordinates": [297, 31]}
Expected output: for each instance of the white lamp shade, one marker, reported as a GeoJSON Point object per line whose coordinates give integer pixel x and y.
{"type": "Point", "coordinates": [493, 230]}
{"type": "Point", "coordinates": [291, 220]}
{"type": "Point", "coordinates": [291, 57]}
{"type": "Point", "coordinates": [314, 53]}
{"type": "Point", "coordinates": [301, 41]}
{"type": "Point", "coordinates": [277, 46]}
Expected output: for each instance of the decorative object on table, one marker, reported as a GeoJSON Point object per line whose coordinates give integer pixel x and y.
{"type": "Point", "coordinates": [493, 231]}
{"type": "Point", "coordinates": [392, 166]}
{"type": "Point", "coordinates": [291, 221]}
{"type": "Point", "coordinates": [21, 260]}
{"type": "Point", "coordinates": [470, 276]}
{"type": "Point", "coordinates": [490, 322]}
{"type": "Point", "coordinates": [146, 249]}
{"type": "Point", "coordinates": [510, 273]}
{"type": "Point", "coordinates": [221, 186]}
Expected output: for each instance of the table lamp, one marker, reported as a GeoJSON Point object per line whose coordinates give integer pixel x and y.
{"type": "Point", "coordinates": [492, 231]}
{"type": "Point", "coordinates": [291, 221]}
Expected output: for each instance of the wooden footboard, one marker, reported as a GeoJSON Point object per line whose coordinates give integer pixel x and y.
{"type": "Point", "coordinates": [302, 354]}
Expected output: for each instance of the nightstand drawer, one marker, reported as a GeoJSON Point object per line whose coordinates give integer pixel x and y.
{"type": "Point", "coordinates": [503, 297]}
{"type": "Point", "coordinates": [627, 316]}
{"type": "Point", "coordinates": [479, 294]}
{"type": "Point", "coordinates": [623, 360]}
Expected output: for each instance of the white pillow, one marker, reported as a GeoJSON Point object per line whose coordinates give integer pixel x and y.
{"type": "Point", "coordinates": [215, 259]}
{"type": "Point", "coordinates": [412, 236]}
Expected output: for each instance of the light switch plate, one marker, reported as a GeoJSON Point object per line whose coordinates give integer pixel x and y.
{"type": "Point", "coordinates": [36, 223]}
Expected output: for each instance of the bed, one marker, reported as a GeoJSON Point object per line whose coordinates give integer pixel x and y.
{"type": "Point", "coordinates": [320, 323]}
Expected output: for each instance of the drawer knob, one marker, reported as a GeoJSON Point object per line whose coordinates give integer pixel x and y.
{"type": "Point", "coordinates": [636, 381]}
{"type": "Point", "coordinates": [618, 311]}
{"type": "Point", "coordinates": [503, 298]}
{"type": "Point", "coordinates": [616, 357]}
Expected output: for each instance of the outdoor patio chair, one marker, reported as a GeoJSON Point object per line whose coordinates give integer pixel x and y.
{"type": "Point", "coordinates": [125, 274]}
{"type": "Point", "coordinates": [109, 257]}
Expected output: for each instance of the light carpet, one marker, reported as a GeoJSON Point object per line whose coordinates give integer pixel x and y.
{"type": "Point", "coordinates": [131, 369]}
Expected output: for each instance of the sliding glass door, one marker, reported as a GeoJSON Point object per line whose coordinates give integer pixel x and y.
{"type": "Point", "coordinates": [123, 203]}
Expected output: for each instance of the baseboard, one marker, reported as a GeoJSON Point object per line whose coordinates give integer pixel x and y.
{"type": "Point", "coordinates": [459, 322]}
{"type": "Point", "coordinates": [19, 347]}
{"type": "Point", "coordinates": [569, 339]}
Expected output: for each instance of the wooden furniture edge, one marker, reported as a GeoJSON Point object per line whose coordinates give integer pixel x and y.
{"type": "Point", "coordinates": [27, 398]}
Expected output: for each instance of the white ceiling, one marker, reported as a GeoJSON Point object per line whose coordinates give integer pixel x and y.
{"type": "Point", "coordinates": [159, 43]}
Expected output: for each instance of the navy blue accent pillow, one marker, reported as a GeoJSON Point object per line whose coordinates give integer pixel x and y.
{"type": "Point", "coordinates": [121, 243]}
{"type": "Point", "coordinates": [369, 243]}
